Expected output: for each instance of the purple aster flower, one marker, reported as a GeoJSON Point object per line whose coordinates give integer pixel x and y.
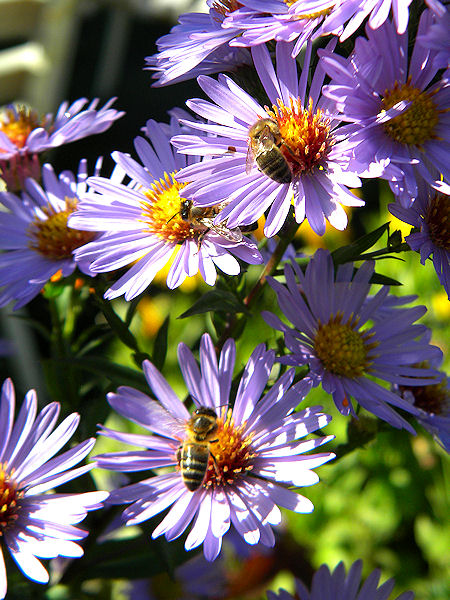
{"type": "Point", "coordinates": [264, 20]}
{"type": "Point", "coordinates": [23, 134]}
{"type": "Point", "coordinates": [149, 222]}
{"type": "Point", "coordinates": [430, 214]}
{"type": "Point", "coordinates": [402, 118]}
{"type": "Point", "coordinates": [332, 334]}
{"type": "Point", "coordinates": [338, 584]}
{"type": "Point", "coordinates": [198, 44]}
{"type": "Point", "coordinates": [298, 156]}
{"type": "Point", "coordinates": [33, 523]}
{"type": "Point", "coordinates": [254, 451]}
{"type": "Point", "coordinates": [38, 245]}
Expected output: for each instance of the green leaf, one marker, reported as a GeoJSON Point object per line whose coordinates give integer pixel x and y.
{"type": "Point", "coordinates": [117, 374]}
{"type": "Point", "coordinates": [216, 301]}
{"type": "Point", "coordinates": [354, 250]}
{"type": "Point", "coordinates": [383, 280]}
{"type": "Point", "coordinates": [117, 325]}
{"type": "Point", "coordinates": [160, 345]}
{"type": "Point", "coordinates": [130, 558]}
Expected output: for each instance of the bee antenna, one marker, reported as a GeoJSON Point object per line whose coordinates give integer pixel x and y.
{"type": "Point", "coordinates": [173, 217]}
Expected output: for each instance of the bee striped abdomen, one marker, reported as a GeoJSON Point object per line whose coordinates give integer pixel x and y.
{"type": "Point", "coordinates": [193, 460]}
{"type": "Point", "coordinates": [273, 164]}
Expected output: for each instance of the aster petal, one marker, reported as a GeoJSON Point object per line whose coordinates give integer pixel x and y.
{"type": "Point", "coordinates": [190, 371]}
{"type": "Point", "coordinates": [29, 565]}
{"type": "Point", "coordinates": [162, 390]}
{"type": "Point", "coordinates": [201, 524]}
{"type": "Point", "coordinates": [226, 366]}
{"type": "Point", "coordinates": [253, 382]}
{"type": "Point", "coordinates": [179, 516]}
{"type": "Point", "coordinates": [139, 408]}
{"type": "Point", "coordinates": [212, 546]}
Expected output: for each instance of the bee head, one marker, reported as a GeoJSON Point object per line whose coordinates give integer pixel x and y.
{"type": "Point", "coordinates": [204, 421]}
{"type": "Point", "coordinates": [185, 210]}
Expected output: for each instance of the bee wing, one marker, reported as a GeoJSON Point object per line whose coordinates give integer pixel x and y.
{"type": "Point", "coordinates": [161, 421]}
{"type": "Point", "coordinates": [250, 158]}
{"type": "Point", "coordinates": [232, 235]}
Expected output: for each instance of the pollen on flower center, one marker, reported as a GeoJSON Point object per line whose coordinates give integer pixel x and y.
{"type": "Point", "coordinates": [231, 455]}
{"type": "Point", "coordinates": [17, 124]}
{"type": "Point", "coordinates": [9, 500]}
{"type": "Point", "coordinates": [162, 211]}
{"type": "Point", "coordinates": [417, 123]}
{"type": "Point", "coordinates": [437, 218]}
{"type": "Point", "coordinates": [306, 135]}
{"type": "Point", "coordinates": [52, 238]}
{"type": "Point", "coordinates": [342, 349]}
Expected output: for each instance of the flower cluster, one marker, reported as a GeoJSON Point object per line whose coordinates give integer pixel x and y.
{"type": "Point", "coordinates": [305, 104]}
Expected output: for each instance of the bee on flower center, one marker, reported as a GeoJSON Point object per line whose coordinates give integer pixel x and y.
{"type": "Point", "coordinates": [201, 220]}
{"type": "Point", "coordinates": [193, 454]}
{"type": "Point", "coordinates": [264, 145]}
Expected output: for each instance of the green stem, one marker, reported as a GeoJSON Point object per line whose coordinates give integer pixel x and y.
{"type": "Point", "coordinates": [61, 380]}
{"type": "Point", "coordinates": [120, 328]}
{"type": "Point", "coordinates": [234, 323]}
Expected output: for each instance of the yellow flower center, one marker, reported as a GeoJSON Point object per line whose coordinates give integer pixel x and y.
{"type": "Point", "coordinates": [306, 136]}
{"type": "Point", "coordinates": [9, 499]}
{"type": "Point", "coordinates": [342, 349]}
{"type": "Point", "coordinates": [232, 453]}
{"type": "Point", "coordinates": [17, 124]}
{"type": "Point", "coordinates": [52, 237]}
{"type": "Point", "coordinates": [417, 123]}
{"type": "Point", "coordinates": [161, 213]}
{"type": "Point", "coordinates": [437, 218]}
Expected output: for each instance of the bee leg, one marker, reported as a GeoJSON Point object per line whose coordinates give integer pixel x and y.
{"type": "Point", "coordinates": [216, 466]}
{"type": "Point", "coordinates": [200, 239]}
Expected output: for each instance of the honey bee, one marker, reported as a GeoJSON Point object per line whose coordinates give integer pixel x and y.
{"type": "Point", "coordinates": [196, 434]}
{"type": "Point", "coordinates": [264, 149]}
{"type": "Point", "coordinates": [193, 454]}
{"type": "Point", "coordinates": [201, 219]}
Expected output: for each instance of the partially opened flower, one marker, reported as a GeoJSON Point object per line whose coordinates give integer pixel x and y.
{"type": "Point", "coordinates": [23, 134]}
{"type": "Point", "coordinates": [150, 222]}
{"type": "Point", "coordinates": [347, 337]}
{"type": "Point", "coordinates": [38, 245]}
{"type": "Point", "coordinates": [234, 465]}
{"type": "Point", "coordinates": [338, 584]}
{"type": "Point", "coordinates": [430, 214]}
{"type": "Point", "coordinates": [401, 111]}
{"type": "Point", "coordinates": [197, 44]}
{"type": "Point", "coordinates": [35, 524]}
{"type": "Point", "coordinates": [296, 154]}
